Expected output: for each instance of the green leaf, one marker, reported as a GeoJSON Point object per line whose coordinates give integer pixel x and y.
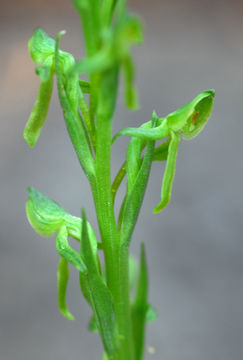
{"type": "Point", "coordinates": [84, 281]}
{"type": "Point", "coordinates": [132, 272]}
{"type": "Point", "coordinates": [81, 5]}
{"type": "Point", "coordinates": [74, 125]}
{"type": "Point", "coordinates": [101, 298]}
{"type": "Point", "coordinates": [169, 173]}
{"type": "Point", "coordinates": [66, 252]}
{"type": "Point", "coordinates": [93, 325]}
{"type": "Point", "coordinates": [132, 166]}
{"type": "Point", "coordinates": [140, 307]}
{"type": "Point", "coordinates": [133, 269]}
{"type": "Point", "coordinates": [161, 151]}
{"type": "Point", "coordinates": [46, 216]}
{"type": "Point", "coordinates": [134, 159]}
{"type": "Point", "coordinates": [134, 199]}
{"type": "Point", "coordinates": [89, 12]}
{"type": "Point", "coordinates": [118, 180]}
{"type": "Point", "coordinates": [62, 281]}
{"type": "Point", "coordinates": [151, 314]}
{"type": "Point", "coordinates": [105, 357]}
{"type": "Point", "coordinates": [108, 8]}
{"type": "Point", "coordinates": [84, 86]}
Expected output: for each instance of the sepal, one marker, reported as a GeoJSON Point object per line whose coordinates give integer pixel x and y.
{"type": "Point", "coordinates": [41, 46]}
{"type": "Point", "coordinates": [46, 216]}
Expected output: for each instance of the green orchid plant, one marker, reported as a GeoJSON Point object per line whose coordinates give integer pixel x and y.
{"type": "Point", "coordinates": [116, 291]}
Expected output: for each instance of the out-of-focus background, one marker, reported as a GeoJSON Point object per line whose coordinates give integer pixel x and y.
{"type": "Point", "coordinates": [194, 248]}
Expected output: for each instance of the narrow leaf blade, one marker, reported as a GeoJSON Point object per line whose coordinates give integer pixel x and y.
{"type": "Point", "coordinates": [140, 307]}
{"type": "Point", "coordinates": [74, 126]}
{"type": "Point", "coordinates": [100, 296]}
{"type": "Point", "coordinates": [161, 151]}
{"type": "Point", "coordinates": [134, 199]}
{"type": "Point", "coordinates": [93, 325]}
{"type": "Point", "coordinates": [151, 314]}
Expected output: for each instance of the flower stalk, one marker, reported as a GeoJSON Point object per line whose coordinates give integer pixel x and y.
{"type": "Point", "coordinates": [110, 32]}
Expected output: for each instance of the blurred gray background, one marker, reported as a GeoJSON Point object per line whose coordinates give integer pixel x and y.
{"type": "Point", "coordinates": [194, 248]}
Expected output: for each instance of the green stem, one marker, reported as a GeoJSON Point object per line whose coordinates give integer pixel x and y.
{"type": "Point", "coordinates": [86, 116]}
{"type": "Point", "coordinates": [123, 307]}
{"type": "Point", "coordinates": [94, 81]}
{"type": "Point", "coordinates": [116, 258]}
